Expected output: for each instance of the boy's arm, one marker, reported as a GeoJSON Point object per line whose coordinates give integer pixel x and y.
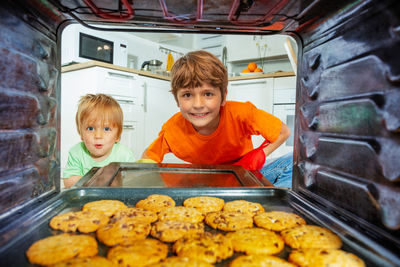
{"type": "Point", "coordinates": [68, 182]}
{"type": "Point", "coordinates": [73, 170]}
{"type": "Point", "coordinates": [255, 159]}
{"type": "Point", "coordinates": [283, 136]}
{"type": "Point", "coordinates": [144, 155]}
{"type": "Point", "coordinates": [145, 158]}
{"type": "Point", "coordinates": [156, 150]}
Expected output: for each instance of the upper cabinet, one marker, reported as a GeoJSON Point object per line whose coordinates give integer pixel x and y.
{"type": "Point", "coordinates": [243, 47]}
{"type": "Point", "coordinates": [251, 47]}
{"type": "Point", "coordinates": [213, 43]}
{"type": "Point", "coordinates": [270, 52]}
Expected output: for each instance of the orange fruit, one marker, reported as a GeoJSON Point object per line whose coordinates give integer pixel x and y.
{"type": "Point", "coordinates": [258, 70]}
{"type": "Point", "coordinates": [252, 66]}
{"type": "Point", "coordinates": [245, 70]}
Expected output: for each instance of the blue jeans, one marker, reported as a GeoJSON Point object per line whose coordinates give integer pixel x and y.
{"type": "Point", "coordinates": [279, 171]}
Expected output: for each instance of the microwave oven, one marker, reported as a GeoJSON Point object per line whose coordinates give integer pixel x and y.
{"type": "Point", "coordinates": [80, 44]}
{"type": "Point", "coordinates": [95, 48]}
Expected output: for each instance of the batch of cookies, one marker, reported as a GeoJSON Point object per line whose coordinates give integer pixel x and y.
{"type": "Point", "coordinates": [146, 234]}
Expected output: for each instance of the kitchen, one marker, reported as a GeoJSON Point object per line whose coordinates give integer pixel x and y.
{"type": "Point", "coordinates": [346, 134]}
{"type": "Point", "coordinates": [143, 91]}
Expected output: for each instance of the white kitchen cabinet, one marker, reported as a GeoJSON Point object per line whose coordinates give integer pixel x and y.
{"type": "Point", "coordinates": [159, 106]}
{"type": "Point", "coordinates": [125, 87]}
{"type": "Point", "coordinates": [248, 47]}
{"type": "Point", "coordinates": [257, 91]}
{"type": "Point", "coordinates": [212, 43]}
{"type": "Point", "coordinates": [286, 113]}
{"type": "Point", "coordinates": [284, 108]}
{"type": "Point", "coordinates": [133, 136]}
{"type": "Point", "coordinates": [285, 90]}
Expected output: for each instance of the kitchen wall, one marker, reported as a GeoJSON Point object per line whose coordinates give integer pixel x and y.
{"type": "Point", "coordinates": [272, 58]}
{"type": "Point", "coordinates": [182, 40]}
{"type": "Point", "coordinates": [141, 47]}
{"type": "Point", "coordinates": [146, 49]}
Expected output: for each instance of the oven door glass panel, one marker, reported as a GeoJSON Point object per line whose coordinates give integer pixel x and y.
{"type": "Point", "coordinates": [142, 175]}
{"type": "Point", "coordinates": [143, 178]}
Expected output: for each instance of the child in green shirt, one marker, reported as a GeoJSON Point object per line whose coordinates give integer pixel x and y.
{"type": "Point", "coordinates": [99, 123]}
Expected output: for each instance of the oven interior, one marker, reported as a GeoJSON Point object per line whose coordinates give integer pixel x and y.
{"type": "Point", "coordinates": [34, 222]}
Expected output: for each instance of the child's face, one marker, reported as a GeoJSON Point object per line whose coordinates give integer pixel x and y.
{"type": "Point", "coordinates": [201, 106]}
{"type": "Point", "coordinates": [99, 137]}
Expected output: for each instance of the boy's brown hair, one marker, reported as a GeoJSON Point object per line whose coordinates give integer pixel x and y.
{"type": "Point", "coordinates": [105, 107]}
{"type": "Point", "coordinates": [196, 68]}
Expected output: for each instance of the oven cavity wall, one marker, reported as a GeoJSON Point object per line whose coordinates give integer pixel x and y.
{"type": "Point", "coordinates": [29, 91]}
{"type": "Point", "coordinates": [348, 117]}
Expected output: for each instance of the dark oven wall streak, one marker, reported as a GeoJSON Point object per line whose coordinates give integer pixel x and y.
{"type": "Point", "coordinates": [348, 114]}
{"type": "Point", "coordinates": [29, 126]}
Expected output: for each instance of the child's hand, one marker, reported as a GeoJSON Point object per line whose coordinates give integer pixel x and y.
{"type": "Point", "coordinates": [255, 159]}
{"type": "Point", "coordinates": [146, 161]}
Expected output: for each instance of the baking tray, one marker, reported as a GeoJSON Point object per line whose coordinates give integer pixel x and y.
{"type": "Point", "coordinates": [32, 224]}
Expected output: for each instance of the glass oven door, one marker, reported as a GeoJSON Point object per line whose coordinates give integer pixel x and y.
{"type": "Point", "coordinates": [142, 175]}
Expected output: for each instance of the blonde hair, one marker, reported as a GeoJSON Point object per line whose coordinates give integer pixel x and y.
{"type": "Point", "coordinates": [196, 68]}
{"type": "Point", "coordinates": [105, 107]}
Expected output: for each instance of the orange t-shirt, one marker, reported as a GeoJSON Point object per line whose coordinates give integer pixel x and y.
{"type": "Point", "coordinates": [232, 139]}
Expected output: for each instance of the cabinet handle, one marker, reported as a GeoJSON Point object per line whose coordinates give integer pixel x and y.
{"type": "Point", "coordinates": [211, 37]}
{"type": "Point", "coordinates": [123, 101]}
{"type": "Point", "coordinates": [247, 83]}
{"type": "Point", "coordinates": [211, 46]}
{"type": "Point", "coordinates": [128, 127]}
{"type": "Point", "coordinates": [144, 97]}
{"type": "Point", "coordinates": [121, 75]}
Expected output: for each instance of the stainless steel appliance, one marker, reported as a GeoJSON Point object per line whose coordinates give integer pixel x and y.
{"type": "Point", "coordinates": [151, 65]}
{"type": "Point", "coordinates": [347, 119]}
{"type": "Point", "coordinates": [85, 46]}
{"type": "Point", "coordinates": [95, 48]}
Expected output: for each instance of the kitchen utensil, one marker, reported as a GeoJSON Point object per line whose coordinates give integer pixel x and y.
{"type": "Point", "coordinates": [170, 61]}
{"type": "Point", "coordinates": [224, 56]}
{"type": "Point", "coordinates": [151, 64]}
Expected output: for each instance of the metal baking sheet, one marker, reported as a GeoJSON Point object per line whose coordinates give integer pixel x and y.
{"type": "Point", "coordinates": [32, 224]}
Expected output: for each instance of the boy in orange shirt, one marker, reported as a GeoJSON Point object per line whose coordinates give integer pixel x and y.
{"type": "Point", "coordinates": [210, 130]}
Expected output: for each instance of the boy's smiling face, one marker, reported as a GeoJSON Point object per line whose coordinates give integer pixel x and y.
{"type": "Point", "coordinates": [201, 107]}
{"type": "Point", "coordinates": [99, 137]}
